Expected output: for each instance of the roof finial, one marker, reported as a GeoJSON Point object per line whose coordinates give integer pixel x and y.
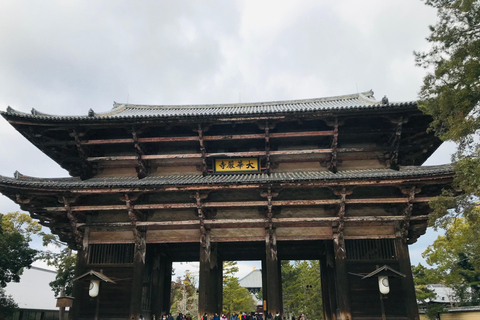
{"type": "Point", "coordinates": [91, 113]}
{"type": "Point", "coordinates": [384, 100]}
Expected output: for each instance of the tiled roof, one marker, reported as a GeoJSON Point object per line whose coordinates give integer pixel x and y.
{"type": "Point", "coordinates": [198, 179]}
{"type": "Point", "coordinates": [252, 280]}
{"type": "Point", "coordinates": [352, 102]}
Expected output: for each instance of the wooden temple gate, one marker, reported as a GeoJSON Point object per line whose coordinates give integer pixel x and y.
{"type": "Point", "coordinates": [332, 179]}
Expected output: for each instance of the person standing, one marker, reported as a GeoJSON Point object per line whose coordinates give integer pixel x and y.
{"type": "Point", "coordinates": [234, 316]}
{"type": "Point", "coordinates": [216, 316]}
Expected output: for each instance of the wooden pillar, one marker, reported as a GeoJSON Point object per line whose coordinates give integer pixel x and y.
{"type": "Point", "coordinates": [273, 274]}
{"type": "Point", "coordinates": [343, 292]}
{"type": "Point", "coordinates": [137, 276]}
{"type": "Point", "coordinates": [210, 275]}
{"type": "Point", "coordinates": [408, 286]}
{"type": "Point", "coordinates": [219, 285]}
{"type": "Point", "coordinates": [161, 284]}
{"type": "Point", "coordinates": [264, 287]}
{"type": "Point", "coordinates": [78, 286]}
{"type": "Point", "coordinates": [326, 290]}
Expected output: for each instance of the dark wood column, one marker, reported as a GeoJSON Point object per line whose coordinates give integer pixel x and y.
{"type": "Point", "coordinates": [326, 272]}
{"type": "Point", "coordinates": [210, 275]}
{"type": "Point", "coordinates": [264, 286]}
{"type": "Point", "coordinates": [137, 276]}
{"type": "Point", "coordinates": [273, 274]}
{"type": "Point", "coordinates": [78, 286]}
{"type": "Point", "coordinates": [408, 286]}
{"type": "Point", "coordinates": [219, 284]}
{"type": "Point", "coordinates": [342, 292]}
{"type": "Point", "coordinates": [161, 284]}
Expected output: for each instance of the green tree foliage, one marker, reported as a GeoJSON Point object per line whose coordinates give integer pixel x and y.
{"type": "Point", "coordinates": [64, 262]}
{"type": "Point", "coordinates": [22, 226]}
{"type": "Point", "coordinates": [457, 258]}
{"type": "Point", "coordinates": [301, 288]}
{"type": "Point", "coordinates": [184, 296]}
{"type": "Point", "coordinates": [15, 253]}
{"type": "Point", "coordinates": [451, 95]}
{"type": "Point", "coordinates": [236, 298]}
{"type": "Point", "coordinates": [422, 277]}
{"type": "Point", "coordinates": [7, 305]}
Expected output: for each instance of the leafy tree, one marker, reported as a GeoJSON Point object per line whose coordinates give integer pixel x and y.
{"type": "Point", "coordinates": [7, 305]}
{"type": "Point", "coordinates": [24, 226]}
{"type": "Point", "coordinates": [302, 289]}
{"type": "Point", "coordinates": [15, 253]}
{"type": "Point", "coordinates": [422, 277]}
{"type": "Point", "coordinates": [184, 295]}
{"type": "Point", "coordinates": [64, 262]}
{"type": "Point", "coordinates": [457, 258]}
{"type": "Point", "coordinates": [451, 95]}
{"type": "Point", "coordinates": [236, 298]}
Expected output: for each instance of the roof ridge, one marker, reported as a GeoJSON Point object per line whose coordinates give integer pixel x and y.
{"type": "Point", "coordinates": [367, 95]}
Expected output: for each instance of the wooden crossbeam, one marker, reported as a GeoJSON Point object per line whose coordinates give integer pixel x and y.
{"type": "Point", "coordinates": [233, 204]}
{"type": "Point", "coordinates": [327, 221]}
{"type": "Point", "coordinates": [235, 154]}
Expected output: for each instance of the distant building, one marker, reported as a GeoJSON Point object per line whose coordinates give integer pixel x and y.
{"type": "Point", "coordinates": [444, 294]}
{"type": "Point", "coordinates": [253, 283]}
{"type": "Point", "coordinates": [34, 295]}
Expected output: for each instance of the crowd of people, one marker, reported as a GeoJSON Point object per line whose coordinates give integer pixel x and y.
{"type": "Point", "coordinates": [233, 316]}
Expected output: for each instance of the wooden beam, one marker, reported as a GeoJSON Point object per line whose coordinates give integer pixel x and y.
{"type": "Point", "coordinates": [233, 204]}
{"type": "Point", "coordinates": [327, 221]}
{"type": "Point", "coordinates": [208, 138]}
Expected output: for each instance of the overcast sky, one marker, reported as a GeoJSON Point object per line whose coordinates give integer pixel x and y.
{"type": "Point", "coordinates": [65, 57]}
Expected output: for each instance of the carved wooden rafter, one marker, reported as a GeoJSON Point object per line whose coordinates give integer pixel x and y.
{"type": "Point", "coordinates": [141, 168]}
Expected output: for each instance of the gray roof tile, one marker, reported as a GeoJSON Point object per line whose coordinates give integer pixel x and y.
{"type": "Point", "coordinates": [358, 101]}
{"type": "Point", "coordinates": [194, 179]}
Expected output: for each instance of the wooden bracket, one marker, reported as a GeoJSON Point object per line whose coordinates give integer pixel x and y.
{"type": "Point", "coordinates": [73, 218]}
{"type": "Point", "coordinates": [141, 168]}
{"type": "Point", "coordinates": [408, 210]}
{"type": "Point", "coordinates": [333, 161]}
{"type": "Point", "coordinates": [87, 169]}
{"type": "Point", "coordinates": [203, 150]}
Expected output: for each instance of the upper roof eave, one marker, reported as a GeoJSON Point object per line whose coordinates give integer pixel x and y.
{"type": "Point", "coordinates": [358, 102]}
{"type": "Point", "coordinates": [237, 179]}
